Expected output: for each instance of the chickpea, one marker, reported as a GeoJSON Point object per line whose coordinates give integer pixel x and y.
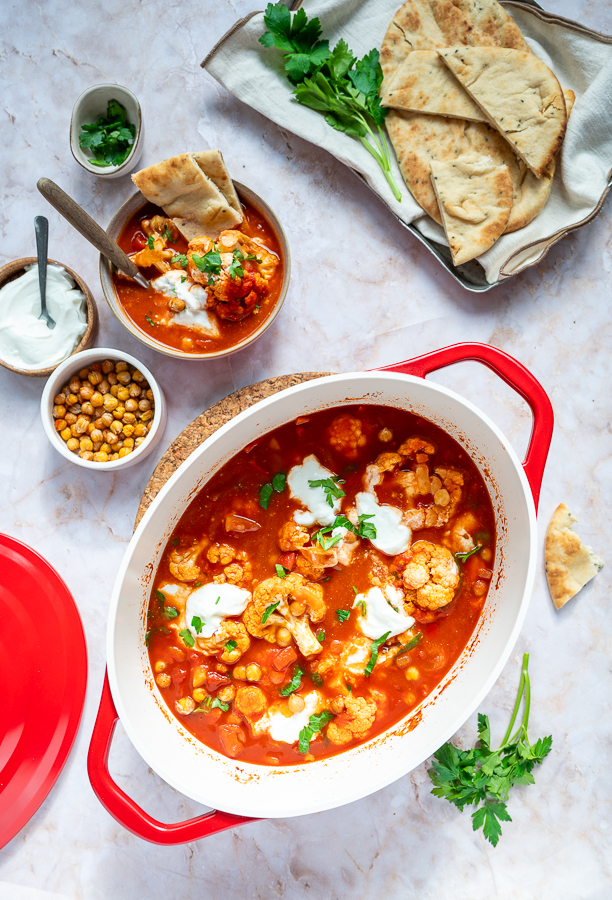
{"type": "Point", "coordinates": [65, 434]}
{"type": "Point", "coordinates": [86, 454]}
{"type": "Point", "coordinates": [73, 431]}
{"type": "Point", "coordinates": [105, 448]}
{"type": "Point", "coordinates": [125, 451]}
{"type": "Point", "coordinates": [163, 680]}
{"type": "Point", "coordinates": [123, 394]}
{"type": "Point", "coordinates": [121, 367]}
{"type": "Point", "coordinates": [119, 412]}
{"type": "Point", "coordinates": [70, 418]}
{"type": "Point", "coordinates": [296, 703]}
{"type": "Point", "coordinates": [480, 588]}
{"type": "Point", "coordinates": [104, 386]}
{"type": "Point", "coordinates": [253, 672]}
{"type": "Point", "coordinates": [110, 438]}
{"type": "Point", "coordinates": [59, 412]}
{"type": "Point", "coordinates": [71, 399]}
{"type": "Point", "coordinates": [110, 403]}
{"type": "Point", "coordinates": [123, 378]}
{"type": "Point", "coordinates": [140, 430]}
{"type": "Point", "coordinates": [116, 427]}
{"type": "Point", "coordinates": [486, 554]}
{"type": "Point", "coordinates": [135, 391]}
{"type": "Point", "coordinates": [59, 424]}
{"type": "Point", "coordinates": [411, 674]}
{"type": "Point", "coordinates": [113, 457]}
{"type": "Point", "coordinates": [114, 390]}
{"type": "Point", "coordinates": [81, 424]}
{"type": "Point", "coordinates": [137, 376]}
{"type": "Point", "coordinates": [72, 444]}
{"type": "Point", "coordinates": [91, 427]}
{"type": "Point", "coordinates": [106, 419]}
{"type": "Point", "coordinates": [96, 446]}
{"type": "Point", "coordinates": [337, 705]}
{"type": "Point", "coordinates": [101, 456]}
{"type": "Point", "coordinates": [96, 436]}
{"type": "Point", "coordinates": [59, 399]}
{"type": "Point", "coordinates": [108, 366]}
{"type": "Point", "coordinates": [86, 444]}
{"type": "Point", "coordinates": [226, 694]}
{"type": "Point", "coordinates": [87, 408]}
{"type": "Point", "coordinates": [86, 392]}
{"type": "Point", "coordinates": [75, 384]}
{"type": "Point", "coordinates": [147, 416]}
{"type": "Point", "coordinates": [96, 367]}
{"type": "Point", "coordinates": [96, 399]}
{"type": "Point", "coordinates": [75, 408]}
{"type": "Point", "coordinates": [94, 377]}
{"type": "Point", "coordinates": [199, 695]}
{"type": "Point", "coordinates": [129, 418]}
{"type": "Point", "coordinates": [385, 435]}
{"type": "Point", "coordinates": [131, 405]}
{"type": "Point", "coordinates": [283, 637]}
{"type": "Point", "coordinates": [138, 442]}
{"type": "Point", "coordinates": [150, 394]}
{"type": "Point", "coordinates": [240, 673]}
{"type": "Point", "coordinates": [402, 661]}
{"type": "Point", "coordinates": [297, 608]}
{"type": "Point", "coordinates": [111, 378]}
{"type": "Point", "coordinates": [128, 441]}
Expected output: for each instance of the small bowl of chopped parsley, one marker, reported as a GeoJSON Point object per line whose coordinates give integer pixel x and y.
{"type": "Point", "coordinates": [106, 130]}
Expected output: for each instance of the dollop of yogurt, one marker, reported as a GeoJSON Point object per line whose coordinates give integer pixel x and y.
{"type": "Point", "coordinates": [25, 340]}
{"type": "Point", "coordinates": [391, 536]}
{"type": "Point", "coordinates": [212, 603]}
{"type": "Point", "coordinates": [383, 612]}
{"type": "Point", "coordinates": [286, 729]}
{"type": "Point", "coordinates": [314, 499]}
{"type": "Point", "coordinates": [175, 284]}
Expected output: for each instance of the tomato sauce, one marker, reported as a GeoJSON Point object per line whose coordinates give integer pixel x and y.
{"type": "Point", "coordinates": [400, 683]}
{"type": "Point", "coordinates": [140, 304]}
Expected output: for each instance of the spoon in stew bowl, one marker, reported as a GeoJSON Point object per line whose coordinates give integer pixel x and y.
{"type": "Point", "coordinates": [41, 227]}
{"type": "Point", "coordinates": [90, 229]}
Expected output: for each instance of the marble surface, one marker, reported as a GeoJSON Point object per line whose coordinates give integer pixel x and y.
{"type": "Point", "coordinates": [363, 293]}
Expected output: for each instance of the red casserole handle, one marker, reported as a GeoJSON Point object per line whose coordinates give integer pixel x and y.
{"type": "Point", "coordinates": [124, 809]}
{"type": "Point", "coordinates": [513, 373]}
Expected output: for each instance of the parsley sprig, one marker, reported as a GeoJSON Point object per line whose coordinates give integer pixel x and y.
{"type": "Point", "coordinates": [294, 685]}
{"type": "Point", "coordinates": [485, 776]}
{"type": "Point", "coordinates": [210, 263]}
{"type": "Point", "coordinates": [363, 529]}
{"type": "Point", "coordinates": [111, 138]}
{"type": "Point", "coordinates": [461, 557]}
{"type": "Point", "coordinates": [278, 484]}
{"type": "Point", "coordinates": [332, 82]}
{"type": "Point", "coordinates": [331, 487]}
{"type": "Point", "coordinates": [376, 645]}
{"type": "Point", "coordinates": [315, 724]}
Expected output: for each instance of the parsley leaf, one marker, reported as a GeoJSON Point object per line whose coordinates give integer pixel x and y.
{"type": "Point", "coordinates": [231, 645]}
{"type": "Point", "coordinates": [161, 629]}
{"type": "Point", "coordinates": [180, 260]}
{"type": "Point", "coordinates": [330, 486]}
{"type": "Point", "coordinates": [161, 597]}
{"type": "Point", "coordinates": [294, 685]}
{"type": "Point", "coordinates": [281, 571]}
{"type": "Point", "coordinates": [315, 724]}
{"type": "Point", "coordinates": [327, 543]}
{"type": "Point", "coordinates": [268, 611]}
{"type": "Point", "coordinates": [342, 614]}
{"type": "Point", "coordinates": [461, 557]}
{"type": "Point", "coordinates": [279, 482]}
{"type": "Point", "coordinates": [111, 139]}
{"type": "Point", "coordinates": [209, 263]}
{"type": "Point", "coordinates": [361, 603]}
{"type": "Point", "coordinates": [320, 636]}
{"type": "Point", "coordinates": [485, 776]}
{"type": "Point", "coordinates": [197, 624]}
{"type": "Point", "coordinates": [218, 704]}
{"type": "Point", "coordinates": [265, 494]}
{"type": "Point", "coordinates": [374, 654]}
{"type": "Point", "coordinates": [409, 646]}
{"type": "Point", "coordinates": [187, 637]}
{"type": "Point", "coordinates": [151, 242]}
{"type": "Point", "coordinates": [366, 529]}
{"type": "Point", "coordinates": [170, 612]}
{"type": "Point", "coordinates": [316, 679]}
{"type": "Point", "coordinates": [150, 321]}
{"type": "Point", "coordinates": [235, 270]}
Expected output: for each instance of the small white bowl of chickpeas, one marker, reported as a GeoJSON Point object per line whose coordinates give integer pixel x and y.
{"type": "Point", "coordinates": [103, 410]}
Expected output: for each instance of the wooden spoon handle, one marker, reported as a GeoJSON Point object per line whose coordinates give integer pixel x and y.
{"type": "Point", "coordinates": [86, 226]}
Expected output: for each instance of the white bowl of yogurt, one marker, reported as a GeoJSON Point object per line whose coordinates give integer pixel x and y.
{"type": "Point", "coordinates": [27, 346]}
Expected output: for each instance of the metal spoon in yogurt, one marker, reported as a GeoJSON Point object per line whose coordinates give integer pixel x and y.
{"type": "Point", "coordinates": [41, 226]}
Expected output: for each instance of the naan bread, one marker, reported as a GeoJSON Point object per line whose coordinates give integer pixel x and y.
{"type": "Point", "coordinates": [193, 202]}
{"type": "Point", "coordinates": [569, 563]}
{"type": "Point", "coordinates": [475, 197]}
{"type": "Point", "coordinates": [423, 83]}
{"type": "Point", "coordinates": [212, 164]}
{"type": "Point", "coordinates": [520, 96]}
{"type": "Point", "coordinates": [435, 24]}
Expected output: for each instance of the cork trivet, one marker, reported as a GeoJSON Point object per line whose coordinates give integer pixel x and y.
{"type": "Point", "coordinates": [207, 423]}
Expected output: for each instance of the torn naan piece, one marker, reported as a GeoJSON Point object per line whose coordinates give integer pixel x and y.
{"type": "Point", "coordinates": [212, 164]}
{"type": "Point", "coordinates": [423, 83]}
{"type": "Point", "coordinates": [570, 564]}
{"type": "Point", "coordinates": [475, 198]}
{"type": "Point", "coordinates": [193, 202]}
{"type": "Point", "coordinates": [520, 96]}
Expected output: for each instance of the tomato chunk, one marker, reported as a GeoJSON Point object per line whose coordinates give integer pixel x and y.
{"type": "Point", "coordinates": [230, 736]}
{"type": "Point", "coordinates": [284, 659]}
{"type": "Point", "coordinates": [287, 560]}
{"type": "Point", "coordinates": [139, 241]}
{"type": "Point", "coordinates": [215, 680]}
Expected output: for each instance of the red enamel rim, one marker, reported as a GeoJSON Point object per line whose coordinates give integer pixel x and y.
{"type": "Point", "coordinates": [43, 674]}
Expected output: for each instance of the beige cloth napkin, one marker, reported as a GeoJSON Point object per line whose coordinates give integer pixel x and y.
{"type": "Point", "coordinates": [581, 59]}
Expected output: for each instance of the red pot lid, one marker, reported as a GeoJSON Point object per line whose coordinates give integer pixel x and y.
{"type": "Point", "coordinates": [43, 673]}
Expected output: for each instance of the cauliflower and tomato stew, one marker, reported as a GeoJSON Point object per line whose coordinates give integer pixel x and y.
{"type": "Point", "coordinates": [205, 295]}
{"type": "Point", "coordinates": [321, 584]}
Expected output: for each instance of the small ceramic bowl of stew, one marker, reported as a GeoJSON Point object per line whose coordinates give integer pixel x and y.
{"type": "Point", "coordinates": [162, 320]}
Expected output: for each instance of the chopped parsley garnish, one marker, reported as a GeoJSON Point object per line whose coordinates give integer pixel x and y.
{"type": "Point", "coordinates": [349, 688]}
{"type": "Point", "coordinates": [294, 685]}
{"type": "Point", "coordinates": [366, 529]}
{"type": "Point", "coordinates": [161, 629]}
{"type": "Point", "coordinates": [151, 242]}
{"type": "Point", "coordinates": [231, 645]}
{"type": "Point", "coordinates": [461, 557]}
{"type": "Point", "coordinates": [316, 679]}
{"type": "Point", "coordinates": [320, 636]}
{"type": "Point", "coordinates": [315, 724]}
{"type": "Point", "coordinates": [183, 278]}
{"type": "Point", "coordinates": [197, 624]}
{"type": "Point", "coordinates": [355, 589]}
{"type": "Point", "coordinates": [326, 543]}
{"type": "Point", "coordinates": [161, 597]}
{"type": "Point", "coordinates": [111, 139]}
{"type": "Point", "coordinates": [410, 645]}
{"type": "Point", "coordinates": [198, 584]}
{"type": "Point", "coordinates": [217, 600]}
{"type": "Point", "coordinates": [281, 571]}
{"type": "Point", "coordinates": [235, 270]}
{"type": "Point", "coordinates": [277, 484]}
{"type": "Point", "coordinates": [150, 321]}
{"type": "Point", "coordinates": [170, 612]}
{"type": "Point", "coordinates": [187, 637]}
{"type": "Point", "coordinates": [374, 654]}
{"type": "Point", "coordinates": [218, 704]}
{"type": "Point", "coordinates": [483, 775]}
{"type": "Point", "coordinates": [180, 259]}
{"type": "Point", "coordinates": [331, 488]}
{"type": "Point", "coordinates": [175, 542]}
{"type": "Point", "coordinates": [268, 611]}
{"type": "Point", "coordinates": [209, 263]}
{"type": "Point", "coordinates": [362, 605]}
{"type": "Point", "coordinates": [342, 614]}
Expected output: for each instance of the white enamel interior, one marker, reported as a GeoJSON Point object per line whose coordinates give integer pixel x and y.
{"type": "Point", "coordinates": [247, 789]}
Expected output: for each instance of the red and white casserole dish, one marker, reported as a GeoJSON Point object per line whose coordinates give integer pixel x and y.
{"type": "Point", "coordinates": [238, 791]}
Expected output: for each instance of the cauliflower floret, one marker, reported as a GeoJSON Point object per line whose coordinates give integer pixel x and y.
{"type": "Point", "coordinates": [250, 702]}
{"type": "Point", "coordinates": [459, 537]}
{"type": "Point", "coordinates": [229, 630]}
{"type": "Point", "coordinates": [431, 575]}
{"type": "Point", "coordinates": [183, 563]}
{"type": "Point", "coordinates": [445, 486]}
{"type": "Point", "coordinates": [385, 462]}
{"type": "Point", "coordinates": [349, 666]}
{"type": "Point", "coordinates": [414, 445]}
{"type": "Point", "coordinates": [346, 436]}
{"type": "Point", "coordinates": [292, 537]}
{"type": "Point", "coordinates": [297, 600]}
{"type": "Point", "coordinates": [237, 565]}
{"type": "Point", "coordinates": [355, 722]}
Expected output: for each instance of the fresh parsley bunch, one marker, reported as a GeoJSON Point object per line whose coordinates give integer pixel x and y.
{"type": "Point", "coordinates": [111, 138]}
{"type": "Point", "coordinates": [332, 82]}
{"type": "Point", "coordinates": [485, 776]}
